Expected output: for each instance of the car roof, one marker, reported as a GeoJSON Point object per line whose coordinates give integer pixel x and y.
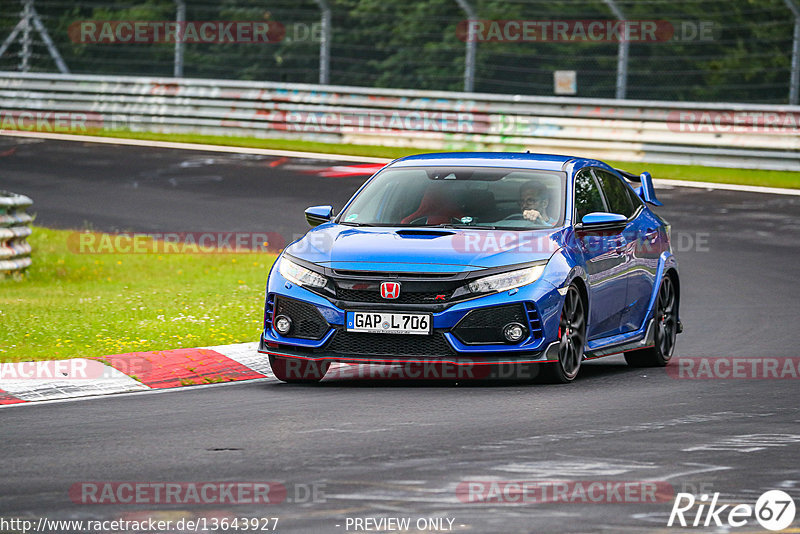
{"type": "Point", "coordinates": [517, 160]}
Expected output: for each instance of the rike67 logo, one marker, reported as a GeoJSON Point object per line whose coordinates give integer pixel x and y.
{"type": "Point", "coordinates": [774, 510]}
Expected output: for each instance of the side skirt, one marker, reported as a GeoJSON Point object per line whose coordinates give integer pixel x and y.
{"type": "Point", "coordinates": [615, 346]}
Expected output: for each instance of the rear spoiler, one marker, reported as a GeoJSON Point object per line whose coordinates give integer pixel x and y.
{"type": "Point", "coordinates": [646, 191]}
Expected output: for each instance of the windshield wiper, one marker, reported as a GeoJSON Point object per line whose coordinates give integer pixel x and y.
{"type": "Point", "coordinates": [463, 226]}
{"type": "Point", "coordinates": [359, 224]}
{"type": "Point", "coordinates": [401, 225]}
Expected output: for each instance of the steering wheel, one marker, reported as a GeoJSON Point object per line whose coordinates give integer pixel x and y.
{"type": "Point", "coordinates": [515, 217]}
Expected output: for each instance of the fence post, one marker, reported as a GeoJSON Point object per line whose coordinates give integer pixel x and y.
{"type": "Point", "coordinates": [794, 75]}
{"type": "Point", "coordinates": [472, 43]}
{"type": "Point", "coordinates": [28, 21]}
{"type": "Point", "coordinates": [27, 15]}
{"type": "Point", "coordinates": [325, 43]}
{"type": "Point", "coordinates": [622, 52]}
{"type": "Point", "coordinates": [14, 250]}
{"type": "Point", "coordinates": [180, 18]}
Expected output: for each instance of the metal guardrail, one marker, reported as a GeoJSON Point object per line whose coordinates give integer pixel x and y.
{"type": "Point", "coordinates": [626, 130]}
{"type": "Point", "coordinates": [14, 228]}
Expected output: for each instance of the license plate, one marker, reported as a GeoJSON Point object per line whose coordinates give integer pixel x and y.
{"type": "Point", "coordinates": [389, 323]}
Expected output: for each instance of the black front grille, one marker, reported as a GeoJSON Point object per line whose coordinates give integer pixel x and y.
{"type": "Point", "coordinates": [307, 322]}
{"type": "Point", "coordinates": [399, 345]}
{"type": "Point", "coordinates": [416, 289]}
{"type": "Point", "coordinates": [406, 297]}
{"type": "Point", "coordinates": [485, 325]}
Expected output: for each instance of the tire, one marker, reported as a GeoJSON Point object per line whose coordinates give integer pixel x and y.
{"type": "Point", "coordinates": [297, 371]}
{"type": "Point", "coordinates": [572, 336]}
{"type": "Point", "coordinates": [666, 330]}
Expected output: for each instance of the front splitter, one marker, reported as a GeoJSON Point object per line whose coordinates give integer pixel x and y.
{"type": "Point", "coordinates": [527, 357]}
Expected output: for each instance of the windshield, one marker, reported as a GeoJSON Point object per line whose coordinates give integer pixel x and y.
{"type": "Point", "coordinates": [460, 196]}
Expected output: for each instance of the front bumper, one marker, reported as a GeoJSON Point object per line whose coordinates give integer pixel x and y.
{"type": "Point", "coordinates": [539, 301]}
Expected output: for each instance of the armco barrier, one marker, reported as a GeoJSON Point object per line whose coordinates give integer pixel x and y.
{"type": "Point", "coordinates": [14, 249]}
{"type": "Point", "coordinates": [726, 135]}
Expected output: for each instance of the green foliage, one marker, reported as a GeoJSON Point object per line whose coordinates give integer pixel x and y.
{"type": "Point", "coordinates": [415, 44]}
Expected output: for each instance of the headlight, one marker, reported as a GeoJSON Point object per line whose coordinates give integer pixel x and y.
{"type": "Point", "coordinates": [504, 281]}
{"type": "Point", "coordinates": [300, 275]}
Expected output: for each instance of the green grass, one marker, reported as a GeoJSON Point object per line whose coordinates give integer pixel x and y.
{"type": "Point", "coordinates": [273, 144]}
{"type": "Point", "coordinates": [70, 305]}
{"type": "Point", "coordinates": [695, 173]}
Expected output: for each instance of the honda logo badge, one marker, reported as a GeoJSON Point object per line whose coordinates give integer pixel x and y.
{"type": "Point", "coordinates": [390, 290]}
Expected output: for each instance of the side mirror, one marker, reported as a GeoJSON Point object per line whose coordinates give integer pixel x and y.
{"type": "Point", "coordinates": [602, 218]}
{"type": "Point", "coordinates": [646, 191]}
{"type": "Point", "coordinates": [316, 215]}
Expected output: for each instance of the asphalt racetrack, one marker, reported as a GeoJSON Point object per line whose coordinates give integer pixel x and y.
{"type": "Point", "coordinates": [380, 449]}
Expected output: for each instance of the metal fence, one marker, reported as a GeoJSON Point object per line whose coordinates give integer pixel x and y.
{"type": "Point", "coordinates": [747, 136]}
{"type": "Point", "coordinates": [701, 50]}
{"type": "Point", "coordinates": [14, 249]}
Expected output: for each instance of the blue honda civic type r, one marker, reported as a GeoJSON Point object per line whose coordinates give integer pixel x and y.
{"type": "Point", "coordinates": [478, 259]}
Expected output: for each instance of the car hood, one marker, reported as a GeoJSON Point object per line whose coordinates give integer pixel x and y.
{"type": "Point", "coordinates": [404, 249]}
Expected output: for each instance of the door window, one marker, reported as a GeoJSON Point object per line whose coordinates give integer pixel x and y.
{"type": "Point", "coordinates": [616, 193]}
{"type": "Point", "coordinates": [587, 195]}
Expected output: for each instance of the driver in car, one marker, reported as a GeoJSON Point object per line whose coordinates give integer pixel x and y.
{"type": "Point", "coordinates": [533, 201]}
